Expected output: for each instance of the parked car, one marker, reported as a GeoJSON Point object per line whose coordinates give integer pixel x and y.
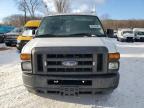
{"type": "Point", "coordinates": [139, 34]}
{"type": "Point", "coordinates": [1, 37]}
{"type": "Point", "coordinates": [70, 55]}
{"type": "Point", "coordinates": [4, 29]}
{"type": "Point", "coordinates": [125, 35]}
{"type": "Point", "coordinates": [11, 37]}
{"type": "Point", "coordinates": [29, 31]}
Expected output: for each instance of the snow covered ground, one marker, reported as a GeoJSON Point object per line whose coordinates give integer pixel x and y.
{"type": "Point", "coordinates": [130, 93]}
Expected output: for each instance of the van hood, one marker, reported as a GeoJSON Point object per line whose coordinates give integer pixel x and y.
{"type": "Point", "coordinates": [70, 42]}
{"type": "Point", "coordinates": [128, 35]}
{"type": "Point", "coordinates": [12, 33]}
{"type": "Point", "coordinates": [139, 35]}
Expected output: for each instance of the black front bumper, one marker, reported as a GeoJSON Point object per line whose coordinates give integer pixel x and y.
{"type": "Point", "coordinates": [11, 42]}
{"type": "Point", "coordinates": [129, 39]}
{"type": "Point", "coordinates": [141, 39]}
{"type": "Point", "coordinates": [1, 39]}
{"type": "Point", "coordinates": [70, 85]}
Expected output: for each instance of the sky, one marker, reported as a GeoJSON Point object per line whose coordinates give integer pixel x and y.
{"type": "Point", "coordinates": [114, 9]}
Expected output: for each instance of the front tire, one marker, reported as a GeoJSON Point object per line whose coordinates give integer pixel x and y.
{"type": "Point", "coordinates": [8, 44]}
{"type": "Point", "coordinates": [120, 40]}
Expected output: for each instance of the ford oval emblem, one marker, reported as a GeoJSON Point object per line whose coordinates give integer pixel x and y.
{"type": "Point", "coordinates": [70, 63]}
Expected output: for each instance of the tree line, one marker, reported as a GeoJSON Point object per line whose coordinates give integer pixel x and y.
{"type": "Point", "coordinates": [115, 24]}
{"type": "Point", "coordinates": [36, 9]}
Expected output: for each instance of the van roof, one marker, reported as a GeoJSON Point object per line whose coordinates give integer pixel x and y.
{"type": "Point", "coordinates": [138, 29]}
{"type": "Point", "coordinates": [72, 14]}
{"type": "Point", "coordinates": [125, 29]}
{"type": "Point", "coordinates": [33, 23]}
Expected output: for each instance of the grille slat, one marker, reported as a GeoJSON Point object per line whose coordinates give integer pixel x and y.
{"type": "Point", "coordinates": [69, 56]}
{"type": "Point", "coordinates": [59, 63]}
{"type": "Point", "coordinates": [40, 62]}
{"type": "Point", "coordinates": [79, 66]}
{"type": "Point", "coordinates": [69, 69]}
{"type": "Point", "coordinates": [99, 62]}
{"type": "Point", "coordinates": [63, 59]}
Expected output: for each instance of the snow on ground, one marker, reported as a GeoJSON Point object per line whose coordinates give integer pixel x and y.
{"type": "Point", "coordinates": [2, 45]}
{"type": "Point", "coordinates": [129, 94]}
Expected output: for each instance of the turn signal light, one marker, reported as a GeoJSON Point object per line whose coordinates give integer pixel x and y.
{"type": "Point", "coordinates": [114, 56]}
{"type": "Point", "coordinates": [25, 57]}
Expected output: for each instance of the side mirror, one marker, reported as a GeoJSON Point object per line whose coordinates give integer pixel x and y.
{"type": "Point", "coordinates": [110, 33]}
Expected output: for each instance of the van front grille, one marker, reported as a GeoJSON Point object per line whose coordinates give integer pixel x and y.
{"type": "Point", "coordinates": [55, 62]}
{"type": "Point", "coordinates": [60, 61]}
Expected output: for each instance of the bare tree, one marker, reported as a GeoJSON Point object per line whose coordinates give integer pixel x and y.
{"type": "Point", "coordinates": [17, 20]}
{"type": "Point", "coordinates": [32, 7]}
{"type": "Point", "coordinates": [44, 8]}
{"type": "Point", "coordinates": [22, 7]}
{"type": "Point", "coordinates": [62, 6]}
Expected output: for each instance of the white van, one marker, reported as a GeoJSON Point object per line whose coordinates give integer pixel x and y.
{"type": "Point", "coordinates": [70, 55]}
{"type": "Point", "coordinates": [125, 35]}
{"type": "Point", "coordinates": [139, 34]}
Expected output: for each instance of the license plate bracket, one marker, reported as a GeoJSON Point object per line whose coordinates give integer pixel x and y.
{"type": "Point", "coordinates": [69, 90]}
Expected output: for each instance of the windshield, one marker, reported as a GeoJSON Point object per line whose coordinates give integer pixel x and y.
{"type": "Point", "coordinates": [5, 29]}
{"type": "Point", "coordinates": [130, 32]}
{"type": "Point", "coordinates": [27, 33]}
{"type": "Point", "coordinates": [17, 30]}
{"type": "Point", "coordinates": [76, 25]}
{"type": "Point", "coordinates": [140, 33]}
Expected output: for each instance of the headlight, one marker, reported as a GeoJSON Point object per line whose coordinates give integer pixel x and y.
{"type": "Point", "coordinates": [26, 66]}
{"type": "Point", "coordinates": [113, 65]}
{"type": "Point", "coordinates": [18, 41]}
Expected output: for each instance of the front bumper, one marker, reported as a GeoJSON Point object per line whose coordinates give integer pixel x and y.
{"type": "Point", "coordinates": [1, 39]}
{"type": "Point", "coordinates": [139, 38]}
{"type": "Point", "coordinates": [129, 39]}
{"type": "Point", "coordinates": [100, 83]}
{"type": "Point", "coordinates": [12, 42]}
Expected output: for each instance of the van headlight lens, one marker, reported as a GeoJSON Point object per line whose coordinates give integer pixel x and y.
{"type": "Point", "coordinates": [26, 66]}
{"type": "Point", "coordinates": [18, 41]}
{"type": "Point", "coordinates": [113, 65]}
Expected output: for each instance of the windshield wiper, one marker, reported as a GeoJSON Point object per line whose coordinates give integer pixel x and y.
{"type": "Point", "coordinates": [86, 35]}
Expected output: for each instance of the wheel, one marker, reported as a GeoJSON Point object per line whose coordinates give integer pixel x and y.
{"type": "Point", "coordinates": [19, 48]}
{"type": "Point", "coordinates": [136, 40]}
{"type": "Point", "coordinates": [120, 39]}
{"type": "Point", "coordinates": [1, 40]}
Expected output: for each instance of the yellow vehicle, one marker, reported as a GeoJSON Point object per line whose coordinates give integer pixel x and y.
{"type": "Point", "coordinates": [28, 33]}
